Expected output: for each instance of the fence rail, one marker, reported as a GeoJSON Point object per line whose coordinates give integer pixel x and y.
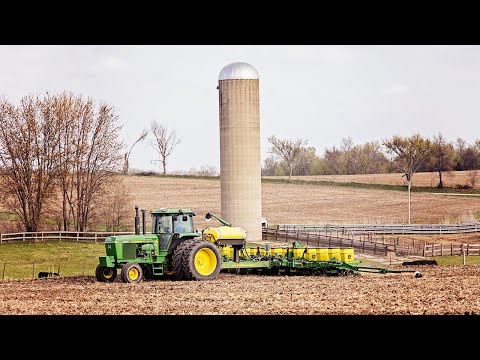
{"type": "Point", "coordinates": [451, 249]}
{"type": "Point", "coordinates": [307, 238]}
{"type": "Point", "coordinates": [417, 229]}
{"type": "Point", "coordinates": [58, 236]}
{"type": "Point", "coordinates": [367, 244]}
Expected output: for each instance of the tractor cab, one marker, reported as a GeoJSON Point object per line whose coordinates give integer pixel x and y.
{"type": "Point", "coordinates": [169, 221]}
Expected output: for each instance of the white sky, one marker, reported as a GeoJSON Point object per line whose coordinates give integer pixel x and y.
{"type": "Point", "coordinates": [318, 93]}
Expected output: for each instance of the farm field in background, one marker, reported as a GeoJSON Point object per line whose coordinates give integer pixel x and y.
{"type": "Point", "coordinates": [298, 203]}
{"type": "Point", "coordinates": [428, 179]}
{"type": "Point", "coordinates": [306, 204]}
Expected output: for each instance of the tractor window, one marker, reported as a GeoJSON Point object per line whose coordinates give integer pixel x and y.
{"type": "Point", "coordinates": [183, 224]}
{"type": "Point", "coordinates": [163, 224]}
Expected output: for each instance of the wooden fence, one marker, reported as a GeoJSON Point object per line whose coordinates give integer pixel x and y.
{"type": "Point", "coordinates": [58, 236]}
{"type": "Point", "coordinates": [450, 249]}
{"type": "Point", "coordinates": [362, 244]}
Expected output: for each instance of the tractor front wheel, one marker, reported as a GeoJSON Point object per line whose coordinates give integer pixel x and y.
{"type": "Point", "coordinates": [132, 273]}
{"type": "Point", "coordinates": [202, 260]}
{"type": "Point", "coordinates": [105, 274]}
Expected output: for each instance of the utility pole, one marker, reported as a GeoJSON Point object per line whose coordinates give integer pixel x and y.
{"type": "Point", "coordinates": [409, 188]}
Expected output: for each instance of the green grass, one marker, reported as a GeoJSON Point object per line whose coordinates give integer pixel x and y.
{"type": "Point", "coordinates": [73, 258]}
{"type": "Point", "coordinates": [8, 215]}
{"type": "Point", "coordinates": [477, 215]}
{"type": "Point", "coordinates": [81, 258]}
{"type": "Point", "coordinates": [456, 260]}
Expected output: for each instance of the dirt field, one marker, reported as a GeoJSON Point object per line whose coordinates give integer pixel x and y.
{"type": "Point", "coordinates": [306, 204]}
{"type": "Point", "coordinates": [442, 290]}
{"type": "Point", "coordinates": [300, 204]}
{"type": "Point", "coordinates": [431, 179]}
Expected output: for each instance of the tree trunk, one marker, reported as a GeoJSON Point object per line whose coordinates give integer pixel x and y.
{"type": "Point", "coordinates": [409, 202]}
{"type": "Point", "coordinates": [290, 174]}
{"type": "Point", "coordinates": [440, 184]}
{"type": "Point", "coordinates": [164, 164]}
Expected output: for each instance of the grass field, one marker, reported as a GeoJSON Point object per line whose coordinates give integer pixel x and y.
{"type": "Point", "coordinates": [26, 260]}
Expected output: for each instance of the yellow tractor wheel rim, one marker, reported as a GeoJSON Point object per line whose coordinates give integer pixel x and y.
{"type": "Point", "coordinates": [133, 274]}
{"type": "Point", "coordinates": [107, 273]}
{"type": "Point", "coordinates": [205, 261]}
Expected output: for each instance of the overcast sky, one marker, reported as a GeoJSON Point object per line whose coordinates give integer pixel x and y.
{"type": "Point", "coordinates": [317, 93]}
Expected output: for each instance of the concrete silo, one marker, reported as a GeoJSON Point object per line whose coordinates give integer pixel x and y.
{"type": "Point", "coordinates": [240, 163]}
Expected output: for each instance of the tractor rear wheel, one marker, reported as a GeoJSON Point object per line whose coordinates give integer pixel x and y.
{"type": "Point", "coordinates": [132, 273]}
{"type": "Point", "coordinates": [105, 274]}
{"type": "Point", "coordinates": [177, 260]}
{"type": "Point", "coordinates": [202, 260]}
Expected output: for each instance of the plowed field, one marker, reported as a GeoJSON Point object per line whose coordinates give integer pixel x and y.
{"type": "Point", "coordinates": [442, 290]}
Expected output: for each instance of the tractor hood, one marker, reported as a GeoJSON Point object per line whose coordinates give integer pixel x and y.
{"type": "Point", "coordinates": [132, 238]}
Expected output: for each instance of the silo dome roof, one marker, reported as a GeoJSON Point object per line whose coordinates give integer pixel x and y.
{"type": "Point", "coordinates": [238, 70]}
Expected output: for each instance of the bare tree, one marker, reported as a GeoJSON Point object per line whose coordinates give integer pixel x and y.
{"type": "Point", "coordinates": [288, 150]}
{"type": "Point", "coordinates": [272, 167]}
{"type": "Point", "coordinates": [410, 153]}
{"type": "Point", "coordinates": [467, 156]}
{"type": "Point", "coordinates": [164, 142]}
{"type": "Point", "coordinates": [90, 153]}
{"type": "Point", "coordinates": [142, 136]}
{"type": "Point", "coordinates": [472, 177]}
{"type": "Point", "coordinates": [113, 208]}
{"type": "Point", "coordinates": [28, 156]}
{"type": "Point", "coordinates": [305, 161]}
{"type": "Point", "coordinates": [442, 156]}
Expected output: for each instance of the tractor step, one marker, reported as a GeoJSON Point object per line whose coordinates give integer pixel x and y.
{"type": "Point", "coordinates": [157, 269]}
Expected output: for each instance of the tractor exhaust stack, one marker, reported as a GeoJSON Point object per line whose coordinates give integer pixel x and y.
{"type": "Point", "coordinates": [137, 221]}
{"type": "Point", "coordinates": [143, 220]}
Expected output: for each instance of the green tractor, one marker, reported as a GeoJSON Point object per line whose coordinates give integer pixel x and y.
{"type": "Point", "coordinates": [170, 250]}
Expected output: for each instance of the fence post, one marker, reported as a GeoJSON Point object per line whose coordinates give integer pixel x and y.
{"type": "Point", "coordinates": [329, 238]}
{"type": "Point", "coordinates": [451, 249]}
{"type": "Point", "coordinates": [97, 234]}
{"type": "Point", "coordinates": [375, 249]}
{"type": "Point", "coordinates": [433, 249]}
{"type": "Point", "coordinates": [1, 238]}
{"type": "Point", "coordinates": [78, 235]}
{"type": "Point", "coordinates": [276, 234]}
{"type": "Point", "coordinates": [441, 249]}
{"type": "Point", "coordinates": [308, 236]}
{"type": "Point", "coordinates": [23, 236]}
{"type": "Point", "coordinates": [424, 248]}
{"type": "Point", "coordinates": [468, 245]}
{"type": "Point", "coordinates": [463, 252]}
{"type": "Point", "coordinates": [363, 247]}
{"type": "Point", "coordinates": [341, 239]}
{"type": "Point", "coordinates": [318, 239]}
{"type": "Point", "coordinates": [461, 249]}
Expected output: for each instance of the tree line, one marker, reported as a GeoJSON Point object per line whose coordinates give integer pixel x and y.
{"type": "Point", "coordinates": [295, 157]}
{"type": "Point", "coordinates": [59, 154]}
